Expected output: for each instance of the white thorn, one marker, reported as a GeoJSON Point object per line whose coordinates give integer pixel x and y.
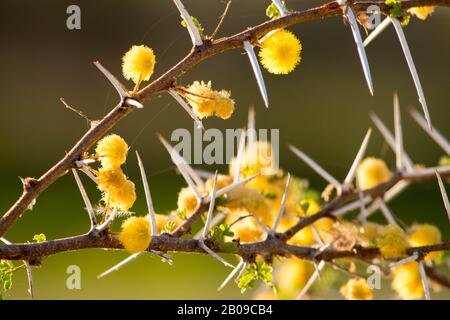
{"type": "Point", "coordinates": [192, 29]}
{"type": "Point", "coordinates": [120, 88]}
{"type": "Point", "coordinates": [213, 254]}
{"type": "Point", "coordinates": [379, 29]}
{"type": "Point", "coordinates": [398, 134]}
{"type": "Point", "coordinates": [443, 194]}
{"type": "Point", "coordinates": [107, 222]}
{"type": "Point", "coordinates": [351, 206]}
{"type": "Point", "coordinates": [134, 103]}
{"type": "Point", "coordinates": [120, 264]}
{"type": "Point", "coordinates": [211, 207]}
{"type": "Point", "coordinates": [386, 212]}
{"type": "Point", "coordinates": [362, 204]}
{"type": "Point", "coordinates": [251, 128]}
{"type": "Point", "coordinates": [30, 278]}
{"type": "Point", "coordinates": [148, 197]}
{"type": "Point", "coordinates": [311, 280]}
{"type": "Point", "coordinates": [81, 163]}
{"type": "Point", "coordinates": [316, 167]}
{"type": "Point", "coordinates": [231, 275]}
{"type": "Point", "coordinates": [181, 164]}
{"type": "Point", "coordinates": [423, 275]}
{"type": "Point", "coordinates": [242, 271]}
{"type": "Point", "coordinates": [185, 106]}
{"type": "Point", "coordinates": [230, 187]}
{"type": "Point", "coordinates": [257, 71]}
{"type": "Point", "coordinates": [282, 204]}
{"type": "Point", "coordinates": [412, 68]}
{"type": "Point", "coordinates": [387, 135]}
{"type": "Point", "coordinates": [280, 7]}
{"type": "Point", "coordinates": [317, 236]}
{"type": "Point", "coordinates": [85, 197]}
{"type": "Point", "coordinates": [204, 174]}
{"type": "Point", "coordinates": [419, 173]}
{"type": "Point", "coordinates": [360, 47]}
{"type": "Point", "coordinates": [433, 133]}
{"type": "Point", "coordinates": [165, 257]}
{"type": "Point", "coordinates": [239, 158]}
{"type": "Point", "coordinates": [359, 156]}
{"type": "Point", "coordinates": [403, 261]}
{"type": "Point", "coordinates": [5, 241]}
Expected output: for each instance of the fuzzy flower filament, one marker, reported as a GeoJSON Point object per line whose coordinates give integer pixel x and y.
{"type": "Point", "coordinates": [135, 234]}
{"type": "Point", "coordinates": [138, 64]}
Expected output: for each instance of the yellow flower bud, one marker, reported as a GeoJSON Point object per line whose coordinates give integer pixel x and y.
{"type": "Point", "coordinates": [423, 235]}
{"type": "Point", "coordinates": [371, 172]}
{"type": "Point", "coordinates": [356, 289]}
{"type": "Point", "coordinates": [138, 64]}
{"type": "Point", "coordinates": [112, 151]}
{"type": "Point", "coordinates": [406, 281]}
{"type": "Point", "coordinates": [392, 242]}
{"type": "Point", "coordinates": [135, 234]}
{"type": "Point", "coordinates": [422, 12]}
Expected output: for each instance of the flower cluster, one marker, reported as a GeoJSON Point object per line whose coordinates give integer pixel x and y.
{"type": "Point", "coordinates": [138, 64]}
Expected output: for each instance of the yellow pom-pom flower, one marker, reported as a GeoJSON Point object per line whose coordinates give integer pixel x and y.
{"type": "Point", "coordinates": [187, 200]}
{"type": "Point", "coordinates": [422, 12]}
{"type": "Point", "coordinates": [112, 151]}
{"type": "Point", "coordinates": [356, 289]}
{"type": "Point", "coordinates": [292, 275]}
{"type": "Point", "coordinates": [138, 64]}
{"type": "Point", "coordinates": [123, 198]}
{"type": "Point", "coordinates": [406, 281]}
{"type": "Point", "coordinates": [280, 52]}
{"type": "Point", "coordinates": [118, 192]}
{"type": "Point", "coordinates": [392, 241]}
{"type": "Point", "coordinates": [135, 234]}
{"type": "Point", "coordinates": [423, 235]}
{"type": "Point", "coordinates": [206, 102]}
{"type": "Point", "coordinates": [371, 172]}
{"type": "Point", "coordinates": [246, 229]}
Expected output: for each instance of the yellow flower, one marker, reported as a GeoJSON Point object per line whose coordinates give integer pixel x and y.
{"type": "Point", "coordinates": [392, 241]}
{"type": "Point", "coordinates": [371, 172]}
{"type": "Point", "coordinates": [247, 229]}
{"type": "Point", "coordinates": [406, 281]}
{"type": "Point", "coordinates": [206, 102]}
{"type": "Point", "coordinates": [423, 235]}
{"type": "Point", "coordinates": [280, 52]}
{"type": "Point", "coordinates": [110, 179]}
{"type": "Point", "coordinates": [422, 12]}
{"type": "Point", "coordinates": [124, 197]}
{"type": "Point", "coordinates": [187, 200]}
{"type": "Point", "coordinates": [138, 64]}
{"type": "Point", "coordinates": [112, 151]}
{"type": "Point", "coordinates": [356, 289]}
{"type": "Point", "coordinates": [371, 232]}
{"type": "Point", "coordinates": [135, 234]}
{"type": "Point", "coordinates": [292, 275]}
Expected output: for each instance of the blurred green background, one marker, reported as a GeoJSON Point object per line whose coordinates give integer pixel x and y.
{"type": "Point", "coordinates": [322, 108]}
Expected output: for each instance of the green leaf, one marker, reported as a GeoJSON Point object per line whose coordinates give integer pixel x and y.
{"type": "Point", "coordinates": [7, 281]}
{"type": "Point", "coordinates": [256, 271]}
{"type": "Point", "coordinates": [395, 8]}
{"type": "Point", "coordinates": [182, 213]}
{"type": "Point", "coordinates": [444, 161]}
{"type": "Point", "coordinates": [169, 226]}
{"type": "Point", "coordinates": [39, 237]}
{"type": "Point", "coordinates": [196, 23]}
{"type": "Point", "coordinates": [272, 11]}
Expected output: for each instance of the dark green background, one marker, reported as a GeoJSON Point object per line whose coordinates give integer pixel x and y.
{"type": "Point", "coordinates": [322, 108]}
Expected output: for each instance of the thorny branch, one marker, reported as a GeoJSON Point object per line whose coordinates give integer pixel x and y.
{"type": "Point", "coordinates": [274, 244]}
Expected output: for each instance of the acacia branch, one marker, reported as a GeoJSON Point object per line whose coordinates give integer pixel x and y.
{"type": "Point", "coordinates": [209, 48]}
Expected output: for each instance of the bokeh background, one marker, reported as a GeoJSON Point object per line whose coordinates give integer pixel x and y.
{"type": "Point", "coordinates": [322, 107]}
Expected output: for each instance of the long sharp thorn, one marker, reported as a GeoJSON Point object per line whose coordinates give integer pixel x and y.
{"type": "Point", "coordinates": [185, 106]}
{"type": "Point", "coordinates": [387, 135]}
{"type": "Point", "coordinates": [231, 275]}
{"type": "Point", "coordinates": [360, 47]}
{"type": "Point", "coordinates": [120, 264]}
{"type": "Point", "coordinates": [178, 160]}
{"type": "Point", "coordinates": [251, 128]}
{"type": "Point", "coordinates": [359, 156]}
{"type": "Point", "coordinates": [107, 222]}
{"type": "Point", "coordinates": [363, 212]}
{"type": "Point", "coordinates": [192, 29]}
{"type": "Point", "coordinates": [351, 206]}
{"type": "Point", "coordinates": [30, 278]}
{"type": "Point", "coordinates": [443, 194]}
{"type": "Point", "coordinates": [412, 68]}
{"type": "Point", "coordinates": [398, 134]}
{"type": "Point", "coordinates": [280, 7]}
{"type": "Point", "coordinates": [213, 254]}
{"type": "Point", "coordinates": [230, 187]}
{"type": "Point", "coordinates": [386, 212]}
{"type": "Point", "coordinates": [148, 197]}
{"type": "Point", "coordinates": [433, 133]}
{"type": "Point", "coordinates": [317, 235]}
{"type": "Point", "coordinates": [311, 280]}
{"type": "Point", "coordinates": [239, 158]}
{"type": "Point", "coordinates": [257, 71]}
{"type": "Point", "coordinates": [86, 200]}
{"type": "Point", "coordinates": [211, 207]}
{"type": "Point", "coordinates": [282, 204]}
{"type": "Point", "coordinates": [378, 30]}
{"type": "Point", "coordinates": [316, 167]}
{"type": "Point", "coordinates": [403, 261]}
{"type": "Point", "coordinates": [120, 88]}
{"type": "Point", "coordinates": [423, 275]}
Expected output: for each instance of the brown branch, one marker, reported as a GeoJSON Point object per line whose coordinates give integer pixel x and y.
{"type": "Point", "coordinates": [197, 54]}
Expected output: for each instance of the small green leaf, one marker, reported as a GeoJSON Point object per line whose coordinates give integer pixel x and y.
{"type": "Point", "coordinates": [39, 237]}
{"type": "Point", "coordinates": [272, 11]}
{"type": "Point", "coordinates": [169, 226]}
{"type": "Point", "coordinates": [444, 161]}
{"type": "Point", "coordinates": [256, 271]}
{"type": "Point", "coordinates": [182, 213]}
{"type": "Point", "coordinates": [196, 23]}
